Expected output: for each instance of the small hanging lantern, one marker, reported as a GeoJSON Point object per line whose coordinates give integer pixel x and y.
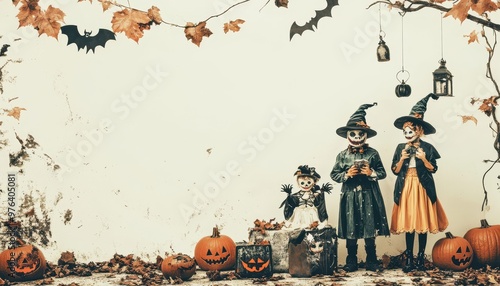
{"type": "Point", "coordinates": [383, 54]}
{"type": "Point", "coordinates": [403, 89]}
{"type": "Point", "coordinates": [443, 83]}
{"type": "Point", "coordinates": [442, 77]}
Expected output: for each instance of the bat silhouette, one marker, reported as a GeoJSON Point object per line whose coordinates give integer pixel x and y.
{"type": "Point", "coordinates": [313, 23]}
{"type": "Point", "coordinates": [86, 40]}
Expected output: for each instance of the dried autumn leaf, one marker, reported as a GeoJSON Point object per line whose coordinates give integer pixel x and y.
{"type": "Point", "coordinates": [281, 3]}
{"type": "Point", "coordinates": [154, 15]}
{"type": "Point", "coordinates": [15, 2]}
{"type": "Point", "coordinates": [460, 10]}
{"type": "Point", "coordinates": [472, 37]}
{"type": "Point", "coordinates": [28, 12]}
{"type": "Point", "coordinates": [105, 4]}
{"type": "Point", "coordinates": [233, 25]}
{"type": "Point", "coordinates": [195, 33]}
{"type": "Point", "coordinates": [130, 22]}
{"type": "Point", "coordinates": [15, 112]}
{"type": "Point", "coordinates": [48, 22]}
{"type": "Point", "coordinates": [487, 105]}
{"type": "Point", "coordinates": [482, 6]}
{"type": "Point", "coordinates": [466, 118]}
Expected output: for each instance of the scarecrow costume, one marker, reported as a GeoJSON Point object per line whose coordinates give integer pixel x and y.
{"type": "Point", "coordinates": [416, 206]}
{"type": "Point", "coordinates": [362, 210]}
{"type": "Point", "coordinates": [305, 208]}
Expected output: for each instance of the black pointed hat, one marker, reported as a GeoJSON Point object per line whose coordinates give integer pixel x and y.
{"type": "Point", "coordinates": [417, 115]}
{"type": "Point", "coordinates": [358, 122]}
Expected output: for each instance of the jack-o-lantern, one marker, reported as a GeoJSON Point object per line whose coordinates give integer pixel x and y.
{"type": "Point", "coordinates": [485, 242]}
{"type": "Point", "coordinates": [22, 263]}
{"type": "Point", "coordinates": [215, 252]}
{"type": "Point", "coordinates": [178, 266]}
{"type": "Point", "coordinates": [452, 253]}
{"type": "Point", "coordinates": [256, 264]}
{"type": "Point", "coordinates": [254, 261]}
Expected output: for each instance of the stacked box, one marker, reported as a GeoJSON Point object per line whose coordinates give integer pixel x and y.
{"type": "Point", "coordinates": [254, 261]}
{"type": "Point", "coordinates": [313, 252]}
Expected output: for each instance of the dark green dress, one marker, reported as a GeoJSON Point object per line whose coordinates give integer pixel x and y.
{"type": "Point", "coordinates": [362, 210]}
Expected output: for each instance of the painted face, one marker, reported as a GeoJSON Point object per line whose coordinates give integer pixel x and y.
{"type": "Point", "coordinates": [305, 183]}
{"type": "Point", "coordinates": [410, 134]}
{"type": "Point", "coordinates": [356, 138]}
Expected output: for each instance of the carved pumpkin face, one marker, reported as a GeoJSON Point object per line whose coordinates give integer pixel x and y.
{"type": "Point", "coordinates": [452, 253]}
{"type": "Point", "coordinates": [23, 263]}
{"type": "Point", "coordinates": [178, 265]}
{"type": "Point", "coordinates": [216, 252]}
{"type": "Point", "coordinates": [255, 264]}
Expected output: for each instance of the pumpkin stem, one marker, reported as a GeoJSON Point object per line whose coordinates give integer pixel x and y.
{"type": "Point", "coordinates": [449, 235]}
{"type": "Point", "coordinates": [484, 223]}
{"type": "Point", "coordinates": [215, 232]}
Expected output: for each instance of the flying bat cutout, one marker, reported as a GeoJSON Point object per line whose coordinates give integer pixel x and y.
{"type": "Point", "coordinates": [313, 23]}
{"type": "Point", "coordinates": [86, 40]}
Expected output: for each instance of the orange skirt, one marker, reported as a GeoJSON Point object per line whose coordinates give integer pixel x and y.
{"type": "Point", "coordinates": [416, 212]}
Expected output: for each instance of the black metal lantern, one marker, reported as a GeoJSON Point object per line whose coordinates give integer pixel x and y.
{"type": "Point", "coordinates": [383, 54]}
{"type": "Point", "coordinates": [443, 83]}
{"type": "Point", "coordinates": [403, 89]}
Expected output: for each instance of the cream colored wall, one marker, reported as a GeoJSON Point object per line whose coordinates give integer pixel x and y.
{"type": "Point", "coordinates": [130, 125]}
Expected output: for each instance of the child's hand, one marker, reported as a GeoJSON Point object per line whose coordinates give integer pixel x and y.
{"type": "Point", "coordinates": [366, 170]}
{"type": "Point", "coordinates": [420, 154]}
{"type": "Point", "coordinates": [404, 154]}
{"type": "Point", "coordinates": [353, 171]}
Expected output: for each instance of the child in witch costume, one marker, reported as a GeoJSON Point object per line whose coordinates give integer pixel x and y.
{"type": "Point", "coordinates": [306, 207]}
{"type": "Point", "coordinates": [416, 206]}
{"type": "Point", "coordinates": [362, 209]}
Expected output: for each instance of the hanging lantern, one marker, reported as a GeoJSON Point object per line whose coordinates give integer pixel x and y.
{"type": "Point", "coordinates": [443, 83]}
{"type": "Point", "coordinates": [383, 54]}
{"type": "Point", "coordinates": [403, 89]}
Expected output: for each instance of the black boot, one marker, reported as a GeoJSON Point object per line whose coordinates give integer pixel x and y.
{"type": "Point", "coordinates": [420, 264]}
{"type": "Point", "coordinates": [351, 263]}
{"type": "Point", "coordinates": [409, 266]}
{"type": "Point", "coordinates": [372, 263]}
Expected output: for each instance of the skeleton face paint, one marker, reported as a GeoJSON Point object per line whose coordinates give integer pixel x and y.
{"type": "Point", "coordinates": [410, 134]}
{"type": "Point", "coordinates": [305, 183]}
{"type": "Point", "coordinates": [356, 138]}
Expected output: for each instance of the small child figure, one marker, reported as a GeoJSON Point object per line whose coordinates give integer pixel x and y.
{"type": "Point", "coordinates": [306, 208]}
{"type": "Point", "coordinates": [362, 209]}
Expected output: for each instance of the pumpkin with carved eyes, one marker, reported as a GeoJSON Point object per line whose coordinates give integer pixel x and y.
{"type": "Point", "coordinates": [452, 253]}
{"type": "Point", "coordinates": [22, 263]}
{"type": "Point", "coordinates": [215, 252]}
{"type": "Point", "coordinates": [178, 266]}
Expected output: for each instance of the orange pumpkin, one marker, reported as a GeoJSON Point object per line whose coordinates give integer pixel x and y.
{"type": "Point", "coordinates": [485, 242]}
{"type": "Point", "coordinates": [452, 253]}
{"type": "Point", "coordinates": [22, 263]}
{"type": "Point", "coordinates": [178, 266]}
{"type": "Point", "coordinates": [215, 252]}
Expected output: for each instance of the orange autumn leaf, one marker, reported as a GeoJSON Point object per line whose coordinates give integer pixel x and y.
{"type": "Point", "coordinates": [15, 2]}
{"type": "Point", "coordinates": [48, 22]}
{"type": "Point", "coordinates": [154, 15]}
{"type": "Point", "coordinates": [466, 118]}
{"type": "Point", "coordinates": [460, 10]}
{"type": "Point", "coordinates": [195, 33]}
{"type": "Point", "coordinates": [105, 4]}
{"type": "Point", "coordinates": [233, 25]}
{"type": "Point", "coordinates": [130, 22]}
{"type": "Point", "coordinates": [487, 105]}
{"type": "Point", "coordinates": [482, 6]}
{"type": "Point", "coordinates": [472, 37]}
{"type": "Point", "coordinates": [28, 12]}
{"type": "Point", "coordinates": [15, 112]}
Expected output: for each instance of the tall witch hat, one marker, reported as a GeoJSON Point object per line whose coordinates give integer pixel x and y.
{"type": "Point", "coordinates": [417, 115]}
{"type": "Point", "coordinates": [358, 122]}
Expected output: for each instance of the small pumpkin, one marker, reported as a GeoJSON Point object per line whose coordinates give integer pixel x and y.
{"type": "Point", "coordinates": [403, 89]}
{"type": "Point", "coordinates": [22, 263]}
{"type": "Point", "coordinates": [215, 252]}
{"type": "Point", "coordinates": [452, 253]}
{"type": "Point", "coordinates": [178, 266]}
{"type": "Point", "coordinates": [485, 242]}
